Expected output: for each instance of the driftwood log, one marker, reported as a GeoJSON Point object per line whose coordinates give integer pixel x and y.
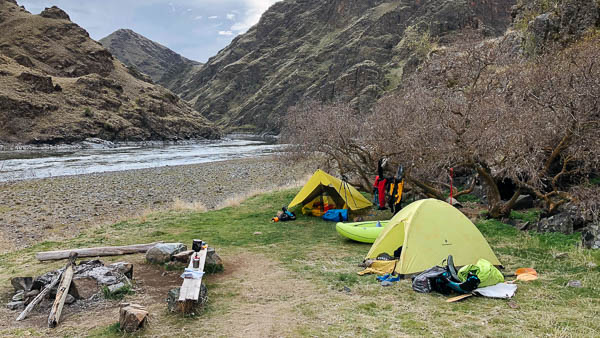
{"type": "Point", "coordinates": [39, 297]}
{"type": "Point", "coordinates": [62, 292]}
{"type": "Point", "coordinates": [95, 252]}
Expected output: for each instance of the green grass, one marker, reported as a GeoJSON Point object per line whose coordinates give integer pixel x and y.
{"type": "Point", "coordinates": [532, 215]}
{"type": "Point", "coordinates": [117, 294]}
{"type": "Point", "coordinates": [468, 198]}
{"type": "Point", "coordinates": [311, 252]}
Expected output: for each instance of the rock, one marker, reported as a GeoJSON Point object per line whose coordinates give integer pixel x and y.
{"type": "Point", "coordinates": [213, 262]}
{"type": "Point", "coordinates": [256, 233]}
{"type": "Point", "coordinates": [162, 252]}
{"type": "Point", "coordinates": [54, 13]}
{"type": "Point", "coordinates": [575, 284]}
{"type": "Point", "coordinates": [592, 265]}
{"type": "Point", "coordinates": [523, 202]}
{"type": "Point", "coordinates": [15, 305]}
{"type": "Point", "coordinates": [590, 236]}
{"type": "Point", "coordinates": [24, 61]}
{"type": "Point", "coordinates": [561, 222]}
{"type": "Point", "coordinates": [132, 317]}
{"type": "Point", "coordinates": [22, 283]}
{"type": "Point", "coordinates": [19, 296]}
{"type": "Point", "coordinates": [124, 268]}
{"type": "Point", "coordinates": [84, 287]}
{"type": "Point", "coordinates": [117, 287]}
{"type": "Point", "coordinates": [454, 202]}
{"type": "Point", "coordinates": [70, 299]}
{"type": "Point", "coordinates": [172, 298]}
{"type": "Point", "coordinates": [38, 83]}
{"type": "Point", "coordinates": [173, 304]}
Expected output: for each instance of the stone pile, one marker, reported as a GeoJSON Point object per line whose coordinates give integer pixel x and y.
{"type": "Point", "coordinates": [89, 279]}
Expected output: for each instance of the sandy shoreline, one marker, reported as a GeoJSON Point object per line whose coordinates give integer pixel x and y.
{"type": "Point", "coordinates": [54, 208]}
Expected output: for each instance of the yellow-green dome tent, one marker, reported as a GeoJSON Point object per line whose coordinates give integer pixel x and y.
{"type": "Point", "coordinates": [428, 231]}
{"type": "Point", "coordinates": [344, 195]}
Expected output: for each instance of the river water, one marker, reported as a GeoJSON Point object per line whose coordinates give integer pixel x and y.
{"type": "Point", "coordinates": [20, 165]}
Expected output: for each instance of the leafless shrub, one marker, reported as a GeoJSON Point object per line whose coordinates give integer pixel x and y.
{"type": "Point", "coordinates": [479, 109]}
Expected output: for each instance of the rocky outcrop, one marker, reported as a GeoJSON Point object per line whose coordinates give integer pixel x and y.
{"type": "Point", "coordinates": [546, 23]}
{"type": "Point", "coordinates": [353, 50]}
{"type": "Point", "coordinates": [55, 13]}
{"type": "Point", "coordinates": [163, 65]}
{"type": "Point", "coordinates": [59, 86]}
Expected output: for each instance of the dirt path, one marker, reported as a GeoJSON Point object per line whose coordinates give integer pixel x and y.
{"type": "Point", "coordinates": [253, 297]}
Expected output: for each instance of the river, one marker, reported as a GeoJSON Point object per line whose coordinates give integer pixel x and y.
{"type": "Point", "coordinates": [21, 165]}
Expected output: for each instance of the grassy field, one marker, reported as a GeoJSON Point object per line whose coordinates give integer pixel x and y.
{"type": "Point", "coordinates": [299, 279]}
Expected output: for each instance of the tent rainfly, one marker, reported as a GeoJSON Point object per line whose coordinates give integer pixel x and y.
{"type": "Point", "coordinates": [342, 193]}
{"type": "Point", "coordinates": [425, 232]}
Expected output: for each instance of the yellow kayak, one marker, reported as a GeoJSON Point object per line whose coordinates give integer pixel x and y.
{"type": "Point", "coordinates": [365, 232]}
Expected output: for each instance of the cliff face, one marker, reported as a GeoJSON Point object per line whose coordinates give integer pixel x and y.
{"type": "Point", "coordinates": [351, 50]}
{"type": "Point", "coordinates": [58, 85]}
{"type": "Point", "coordinates": [163, 65]}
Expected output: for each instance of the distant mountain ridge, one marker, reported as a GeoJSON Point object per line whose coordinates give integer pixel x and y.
{"type": "Point", "coordinates": [351, 50]}
{"type": "Point", "coordinates": [57, 85]}
{"type": "Point", "coordinates": [163, 65]}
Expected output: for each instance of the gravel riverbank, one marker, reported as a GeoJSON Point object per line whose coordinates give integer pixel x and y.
{"type": "Point", "coordinates": [60, 207]}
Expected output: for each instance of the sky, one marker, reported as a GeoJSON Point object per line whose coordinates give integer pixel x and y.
{"type": "Point", "coordinates": [196, 29]}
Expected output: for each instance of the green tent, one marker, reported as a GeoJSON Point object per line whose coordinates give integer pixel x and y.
{"type": "Point", "coordinates": [428, 231]}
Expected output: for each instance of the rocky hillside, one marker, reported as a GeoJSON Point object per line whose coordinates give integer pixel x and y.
{"type": "Point", "coordinates": [57, 85]}
{"type": "Point", "coordinates": [163, 65]}
{"type": "Point", "coordinates": [352, 50]}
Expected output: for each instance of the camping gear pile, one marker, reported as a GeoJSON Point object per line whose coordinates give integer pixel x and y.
{"type": "Point", "coordinates": [284, 215]}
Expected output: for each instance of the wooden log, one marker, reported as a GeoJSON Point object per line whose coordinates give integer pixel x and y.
{"type": "Point", "coordinates": [94, 252]}
{"type": "Point", "coordinates": [190, 289]}
{"type": "Point", "coordinates": [61, 294]}
{"type": "Point", "coordinates": [39, 297]}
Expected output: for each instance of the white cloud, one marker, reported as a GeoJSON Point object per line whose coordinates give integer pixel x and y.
{"type": "Point", "coordinates": [230, 16]}
{"type": "Point", "coordinates": [226, 33]}
{"type": "Point", "coordinates": [213, 17]}
{"type": "Point", "coordinates": [255, 8]}
{"type": "Point", "coordinates": [198, 17]}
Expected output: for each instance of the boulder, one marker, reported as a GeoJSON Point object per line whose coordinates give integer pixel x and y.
{"type": "Point", "coordinates": [213, 262]}
{"type": "Point", "coordinates": [124, 268]}
{"type": "Point", "coordinates": [523, 202]}
{"type": "Point", "coordinates": [590, 236]}
{"type": "Point", "coordinates": [132, 317]}
{"type": "Point", "coordinates": [22, 283]}
{"type": "Point", "coordinates": [84, 287]}
{"type": "Point", "coordinates": [561, 222]}
{"type": "Point", "coordinates": [162, 252]}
